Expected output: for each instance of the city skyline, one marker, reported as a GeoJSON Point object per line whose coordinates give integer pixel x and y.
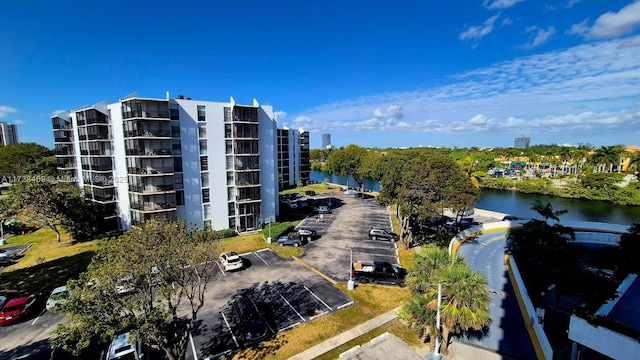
{"type": "Point", "coordinates": [402, 74]}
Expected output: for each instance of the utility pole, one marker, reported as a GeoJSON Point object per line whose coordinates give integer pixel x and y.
{"type": "Point", "coordinates": [436, 351]}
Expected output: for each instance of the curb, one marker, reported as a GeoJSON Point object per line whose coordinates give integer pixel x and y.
{"type": "Point", "coordinates": [326, 277]}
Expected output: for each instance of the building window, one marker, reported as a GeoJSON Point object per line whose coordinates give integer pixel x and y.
{"type": "Point", "coordinates": [180, 198]}
{"type": "Point", "coordinates": [204, 179]}
{"type": "Point", "coordinates": [207, 211]}
{"type": "Point", "coordinates": [227, 131]}
{"type": "Point", "coordinates": [179, 181]}
{"type": "Point", "coordinates": [232, 209]}
{"type": "Point", "coordinates": [205, 196]}
{"type": "Point", "coordinates": [177, 164]}
{"type": "Point", "coordinates": [227, 114]}
{"type": "Point", "coordinates": [201, 113]}
{"type": "Point", "coordinates": [204, 163]}
{"type": "Point", "coordinates": [203, 147]}
{"type": "Point", "coordinates": [202, 131]}
{"type": "Point", "coordinates": [174, 111]}
{"type": "Point", "coordinates": [176, 147]}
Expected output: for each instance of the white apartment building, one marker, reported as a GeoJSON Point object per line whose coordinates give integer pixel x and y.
{"type": "Point", "coordinates": [213, 164]}
{"type": "Point", "coordinates": [8, 134]}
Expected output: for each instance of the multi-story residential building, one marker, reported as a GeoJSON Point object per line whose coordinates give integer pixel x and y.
{"type": "Point", "coordinates": [294, 165]}
{"type": "Point", "coordinates": [326, 141]}
{"type": "Point", "coordinates": [522, 142]}
{"type": "Point", "coordinates": [213, 164]}
{"type": "Point", "coordinates": [8, 134]}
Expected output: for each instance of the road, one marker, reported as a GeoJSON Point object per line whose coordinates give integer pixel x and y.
{"type": "Point", "coordinates": [507, 334]}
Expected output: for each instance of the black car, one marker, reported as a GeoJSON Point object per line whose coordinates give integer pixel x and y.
{"type": "Point", "coordinates": [310, 193]}
{"type": "Point", "coordinates": [382, 234]}
{"type": "Point", "coordinates": [252, 325]}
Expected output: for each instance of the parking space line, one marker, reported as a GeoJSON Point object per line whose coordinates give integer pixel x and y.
{"type": "Point", "coordinates": [292, 308]}
{"type": "Point", "coordinates": [345, 305]}
{"type": "Point", "coordinates": [265, 249]}
{"type": "Point", "coordinates": [36, 319]}
{"type": "Point", "coordinates": [193, 347]}
{"type": "Point", "coordinates": [318, 315]}
{"type": "Point", "coordinates": [245, 254]}
{"type": "Point", "coordinates": [218, 355]}
{"type": "Point", "coordinates": [289, 327]}
{"type": "Point", "coordinates": [260, 257]}
{"type": "Point", "coordinates": [314, 295]}
{"type": "Point", "coordinates": [221, 270]}
{"type": "Point", "coordinates": [230, 331]}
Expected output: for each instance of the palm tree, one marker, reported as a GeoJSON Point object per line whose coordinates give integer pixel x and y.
{"type": "Point", "coordinates": [546, 210]}
{"type": "Point", "coordinates": [609, 155]}
{"type": "Point", "coordinates": [566, 156]}
{"type": "Point", "coordinates": [465, 301]}
{"type": "Point", "coordinates": [634, 163]}
{"type": "Point", "coordinates": [426, 264]}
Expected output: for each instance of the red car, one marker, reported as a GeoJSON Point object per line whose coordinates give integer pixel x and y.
{"type": "Point", "coordinates": [16, 309]}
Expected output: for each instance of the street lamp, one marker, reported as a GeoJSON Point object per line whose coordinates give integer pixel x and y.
{"type": "Point", "coordinates": [350, 283]}
{"type": "Point", "coordinates": [269, 219]}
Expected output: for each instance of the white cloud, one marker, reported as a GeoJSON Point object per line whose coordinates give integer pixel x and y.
{"type": "Point", "coordinates": [500, 4]}
{"type": "Point", "coordinates": [19, 122]}
{"type": "Point", "coordinates": [477, 32]}
{"type": "Point", "coordinates": [540, 36]}
{"type": "Point", "coordinates": [612, 25]}
{"type": "Point", "coordinates": [280, 115]}
{"type": "Point", "coordinates": [571, 3]}
{"type": "Point", "coordinates": [581, 28]}
{"type": "Point", "coordinates": [6, 110]}
{"type": "Point", "coordinates": [506, 21]}
{"type": "Point", "coordinates": [589, 90]}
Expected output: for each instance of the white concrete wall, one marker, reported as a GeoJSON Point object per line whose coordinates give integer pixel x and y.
{"type": "Point", "coordinates": [120, 166]}
{"type": "Point", "coordinates": [268, 163]}
{"type": "Point", "coordinates": [603, 340]}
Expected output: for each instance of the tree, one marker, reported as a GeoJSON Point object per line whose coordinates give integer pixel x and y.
{"type": "Point", "coordinates": [43, 201]}
{"type": "Point", "coordinates": [609, 155]}
{"type": "Point", "coordinates": [546, 210]}
{"type": "Point", "coordinates": [465, 297]}
{"type": "Point", "coordinates": [140, 282]}
{"type": "Point", "coordinates": [348, 161]}
{"type": "Point", "coordinates": [20, 159]}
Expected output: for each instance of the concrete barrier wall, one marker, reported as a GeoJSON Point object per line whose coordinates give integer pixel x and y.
{"type": "Point", "coordinates": [539, 339]}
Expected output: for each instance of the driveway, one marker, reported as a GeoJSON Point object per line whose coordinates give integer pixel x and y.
{"type": "Point", "coordinates": [347, 228]}
{"type": "Point", "coordinates": [286, 292]}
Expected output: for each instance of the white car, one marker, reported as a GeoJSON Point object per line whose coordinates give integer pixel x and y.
{"type": "Point", "coordinates": [231, 261]}
{"type": "Point", "coordinates": [58, 296]}
{"type": "Point", "coordinates": [351, 192]}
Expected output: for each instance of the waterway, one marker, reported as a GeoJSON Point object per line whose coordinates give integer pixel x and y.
{"type": "Point", "coordinates": [519, 204]}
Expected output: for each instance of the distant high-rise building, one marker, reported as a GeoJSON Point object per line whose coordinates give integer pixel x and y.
{"type": "Point", "coordinates": [326, 141]}
{"type": "Point", "coordinates": [522, 142]}
{"type": "Point", "coordinates": [8, 134]}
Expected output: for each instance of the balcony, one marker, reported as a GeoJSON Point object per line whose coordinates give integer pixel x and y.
{"type": "Point", "coordinates": [95, 120]}
{"type": "Point", "coordinates": [66, 165]}
{"type": "Point", "coordinates": [97, 167]}
{"type": "Point", "coordinates": [64, 152]}
{"type": "Point", "coordinates": [63, 139]}
{"type": "Point", "coordinates": [150, 189]}
{"type": "Point", "coordinates": [148, 152]}
{"type": "Point", "coordinates": [147, 133]}
{"type": "Point", "coordinates": [146, 114]}
{"type": "Point", "coordinates": [148, 170]}
{"type": "Point", "coordinates": [154, 207]}
{"type": "Point", "coordinates": [104, 198]}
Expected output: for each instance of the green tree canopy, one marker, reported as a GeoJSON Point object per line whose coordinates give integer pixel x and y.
{"type": "Point", "coordinates": [20, 159]}
{"type": "Point", "coordinates": [349, 162]}
{"type": "Point", "coordinates": [151, 280]}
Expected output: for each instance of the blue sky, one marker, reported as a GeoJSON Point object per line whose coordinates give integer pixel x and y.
{"type": "Point", "coordinates": [374, 73]}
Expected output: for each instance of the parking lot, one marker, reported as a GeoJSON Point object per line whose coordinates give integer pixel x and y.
{"type": "Point", "coordinates": [347, 228]}
{"type": "Point", "coordinates": [285, 291]}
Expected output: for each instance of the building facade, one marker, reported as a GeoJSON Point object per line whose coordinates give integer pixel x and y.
{"type": "Point", "coordinates": [8, 134]}
{"type": "Point", "coordinates": [294, 165]}
{"type": "Point", "coordinates": [213, 164]}
{"type": "Point", "coordinates": [326, 141]}
{"type": "Point", "coordinates": [522, 142]}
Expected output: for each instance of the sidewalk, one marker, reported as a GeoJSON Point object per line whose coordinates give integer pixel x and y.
{"type": "Point", "coordinates": [346, 336]}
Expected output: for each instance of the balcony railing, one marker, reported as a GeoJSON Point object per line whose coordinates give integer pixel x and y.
{"type": "Point", "coordinates": [150, 206]}
{"type": "Point", "coordinates": [96, 120]}
{"type": "Point", "coordinates": [148, 152]}
{"type": "Point", "coordinates": [104, 198]}
{"type": "Point", "coordinates": [97, 167]}
{"type": "Point", "coordinates": [150, 188]}
{"type": "Point", "coordinates": [156, 170]}
{"type": "Point", "coordinates": [64, 152]}
{"type": "Point", "coordinates": [103, 152]}
{"type": "Point", "coordinates": [62, 139]}
{"type": "Point", "coordinates": [66, 126]}
{"type": "Point", "coordinates": [149, 114]}
{"type": "Point", "coordinates": [146, 133]}
{"type": "Point", "coordinates": [66, 165]}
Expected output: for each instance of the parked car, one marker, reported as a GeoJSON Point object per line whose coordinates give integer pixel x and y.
{"type": "Point", "coordinates": [378, 272]}
{"type": "Point", "coordinates": [58, 296]}
{"type": "Point", "coordinates": [310, 193]}
{"type": "Point", "coordinates": [382, 234]}
{"type": "Point", "coordinates": [7, 255]}
{"type": "Point", "coordinates": [292, 238]}
{"type": "Point", "coordinates": [351, 192]}
{"type": "Point", "coordinates": [308, 232]}
{"type": "Point", "coordinates": [509, 218]}
{"type": "Point", "coordinates": [231, 261]}
{"type": "Point", "coordinates": [323, 209]}
{"type": "Point", "coordinates": [16, 309]}
{"type": "Point", "coordinates": [250, 321]}
{"type": "Point", "coordinates": [123, 348]}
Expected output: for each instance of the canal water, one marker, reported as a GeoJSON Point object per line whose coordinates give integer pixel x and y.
{"type": "Point", "coordinates": [519, 204]}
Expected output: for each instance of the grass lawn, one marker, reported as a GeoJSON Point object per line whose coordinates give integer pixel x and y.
{"type": "Point", "coordinates": [371, 301]}
{"type": "Point", "coordinates": [395, 327]}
